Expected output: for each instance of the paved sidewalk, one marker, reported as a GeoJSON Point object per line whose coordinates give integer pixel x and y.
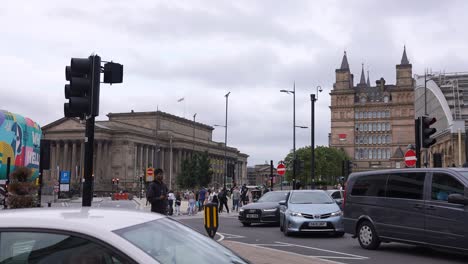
{"type": "Point", "coordinates": [262, 255]}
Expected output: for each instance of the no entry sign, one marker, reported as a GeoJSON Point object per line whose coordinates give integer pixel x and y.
{"type": "Point", "coordinates": [410, 158]}
{"type": "Point", "coordinates": [281, 169]}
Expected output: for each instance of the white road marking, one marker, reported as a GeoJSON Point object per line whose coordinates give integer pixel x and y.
{"type": "Point", "coordinates": [117, 205]}
{"type": "Point", "coordinates": [324, 250]}
{"type": "Point", "coordinates": [221, 237]}
{"type": "Point", "coordinates": [231, 236]}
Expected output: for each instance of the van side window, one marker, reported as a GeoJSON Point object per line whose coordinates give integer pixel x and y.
{"type": "Point", "coordinates": [371, 185]}
{"type": "Point", "coordinates": [443, 185]}
{"type": "Point", "coordinates": [408, 185]}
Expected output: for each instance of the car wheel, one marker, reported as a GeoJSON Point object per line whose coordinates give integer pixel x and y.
{"type": "Point", "coordinates": [285, 228]}
{"type": "Point", "coordinates": [246, 223]}
{"type": "Point", "coordinates": [367, 236]}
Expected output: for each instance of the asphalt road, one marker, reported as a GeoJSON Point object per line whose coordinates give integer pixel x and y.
{"type": "Point", "coordinates": [337, 250]}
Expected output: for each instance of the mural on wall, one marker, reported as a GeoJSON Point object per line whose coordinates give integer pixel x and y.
{"type": "Point", "coordinates": [20, 139]}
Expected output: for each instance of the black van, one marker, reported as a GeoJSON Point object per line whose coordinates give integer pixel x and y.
{"type": "Point", "coordinates": [426, 206]}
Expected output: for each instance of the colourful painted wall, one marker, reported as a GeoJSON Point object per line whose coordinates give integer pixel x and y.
{"type": "Point", "coordinates": [20, 139]}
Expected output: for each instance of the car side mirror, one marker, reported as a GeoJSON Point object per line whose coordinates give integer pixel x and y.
{"type": "Point", "coordinates": [282, 203]}
{"type": "Point", "coordinates": [458, 199]}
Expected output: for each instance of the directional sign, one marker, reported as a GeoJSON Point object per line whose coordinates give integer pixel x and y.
{"type": "Point", "coordinates": [281, 169]}
{"type": "Point", "coordinates": [211, 219]}
{"type": "Point", "coordinates": [410, 158]}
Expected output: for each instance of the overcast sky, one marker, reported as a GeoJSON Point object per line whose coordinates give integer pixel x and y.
{"type": "Point", "coordinates": [200, 50]}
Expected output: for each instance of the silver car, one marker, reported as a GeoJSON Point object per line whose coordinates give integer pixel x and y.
{"type": "Point", "coordinates": [310, 211]}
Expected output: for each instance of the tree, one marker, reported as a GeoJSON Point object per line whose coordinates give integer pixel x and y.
{"type": "Point", "coordinates": [195, 171]}
{"type": "Point", "coordinates": [328, 165]}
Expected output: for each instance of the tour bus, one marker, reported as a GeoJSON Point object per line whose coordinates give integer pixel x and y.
{"type": "Point", "coordinates": [20, 139]}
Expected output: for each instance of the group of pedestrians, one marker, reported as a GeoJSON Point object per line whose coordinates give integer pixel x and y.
{"type": "Point", "coordinates": [164, 201]}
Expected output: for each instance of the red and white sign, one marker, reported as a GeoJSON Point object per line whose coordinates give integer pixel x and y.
{"type": "Point", "coordinates": [410, 158]}
{"type": "Point", "coordinates": [342, 137]}
{"type": "Point", "coordinates": [281, 169]}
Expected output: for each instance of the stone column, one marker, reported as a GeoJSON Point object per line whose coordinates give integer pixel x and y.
{"type": "Point", "coordinates": [73, 163]}
{"type": "Point", "coordinates": [65, 156]}
{"type": "Point", "coordinates": [82, 152]}
{"type": "Point", "coordinates": [162, 154]}
{"type": "Point", "coordinates": [53, 158]}
{"type": "Point", "coordinates": [146, 155]}
{"type": "Point", "coordinates": [106, 160]}
{"type": "Point", "coordinates": [179, 161]}
{"type": "Point", "coordinates": [141, 157]}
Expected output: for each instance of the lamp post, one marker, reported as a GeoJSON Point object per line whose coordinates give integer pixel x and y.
{"type": "Point", "coordinates": [313, 98]}
{"type": "Point", "coordinates": [293, 92]}
{"type": "Point", "coordinates": [225, 139]}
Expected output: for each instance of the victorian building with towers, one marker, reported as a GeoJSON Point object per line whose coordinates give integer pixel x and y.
{"type": "Point", "coordinates": [373, 123]}
{"type": "Point", "coordinates": [128, 143]}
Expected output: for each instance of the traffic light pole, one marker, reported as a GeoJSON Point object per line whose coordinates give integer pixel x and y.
{"type": "Point", "coordinates": [88, 163]}
{"type": "Point", "coordinates": [417, 128]}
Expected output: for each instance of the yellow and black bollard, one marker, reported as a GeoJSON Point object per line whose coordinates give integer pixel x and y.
{"type": "Point", "coordinates": [211, 219]}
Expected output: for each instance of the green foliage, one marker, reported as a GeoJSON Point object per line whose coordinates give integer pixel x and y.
{"type": "Point", "coordinates": [21, 190]}
{"type": "Point", "coordinates": [328, 165]}
{"type": "Point", "coordinates": [195, 171]}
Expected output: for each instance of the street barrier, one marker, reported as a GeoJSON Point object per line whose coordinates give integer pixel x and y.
{"type": "Point", "coordinates": [211, 219]}
{"type": "Point", "coordinates": [120, 196]}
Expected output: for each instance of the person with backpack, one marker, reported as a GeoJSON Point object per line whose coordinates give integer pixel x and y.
{"type": "Point", "coordinates": [178, 201]}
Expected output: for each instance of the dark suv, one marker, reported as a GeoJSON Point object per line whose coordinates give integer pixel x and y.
{"type": "Point", "coordinates": [418, 206]}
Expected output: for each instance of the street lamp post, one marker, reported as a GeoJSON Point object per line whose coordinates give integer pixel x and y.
{"type": "Point", "coordinates": [225, 140]}
{"type": "Point", "coordinates": [293, 92]}
{"type": "Point", "coordinates": [312, 136]}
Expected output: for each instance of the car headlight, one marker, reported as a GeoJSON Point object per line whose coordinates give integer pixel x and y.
{"type": "Point", "coordinates": [338, 213]}
{"type": "Point", "coordinates": [241, 210]}
{"type": "Point", "coordinates": [295, 214]}
{"type": "Point", "coordinates": [269, 210]}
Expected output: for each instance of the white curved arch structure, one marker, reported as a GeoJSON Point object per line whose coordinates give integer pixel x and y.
{"type": "Point", "coordinates": [434, 88]}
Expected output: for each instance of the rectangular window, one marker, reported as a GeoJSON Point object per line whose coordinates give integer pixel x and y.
{"type": "Point", "coordinates": [371, 185]}
{"type": "Point", "coordinates": [443, 185]}
{"type": "Point", "coordinates": [407, 185]}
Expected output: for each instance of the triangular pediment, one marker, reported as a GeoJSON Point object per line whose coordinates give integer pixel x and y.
{"type": "Point", "coordinates": [63, 125]}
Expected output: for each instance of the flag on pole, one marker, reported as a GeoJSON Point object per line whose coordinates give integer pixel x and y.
{"type": "Point", "coordinates": [180, 100]}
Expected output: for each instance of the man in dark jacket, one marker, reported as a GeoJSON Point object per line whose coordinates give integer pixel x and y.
{"type": "Point", "coordinates": [157, 193]}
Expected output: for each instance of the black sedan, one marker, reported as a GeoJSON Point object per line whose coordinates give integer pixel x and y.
{"type": "Point", "coordinates": [265, 210]}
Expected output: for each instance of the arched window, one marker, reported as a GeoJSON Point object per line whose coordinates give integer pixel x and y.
{"type": "Point", "coordinates": [388, 113]}
{"type": "Point", "coordinates": [365, 127]}
{"type": "Point", "coordinates": [388, 126]}
{"type": "Point", "coordinates": [370, 139]}
{"type": "Point", "coordinates": [388, 139]}
{"type": "Point", "coordinates": [374, 127]}
{"type": "Point", "coordinates": [366, 139]}
{"type": "Point", "coordinates": [357, 127]}
{"type": "Point", "coordinates": [375, 139]}
{"type": "Point", "coordinates": [360, 115]}
{"type": "Point", "coordinates": [379, 140]}
{"type": "Point", "coordinates": [384, 139]}
{"type": "Point", "coordinates": [356, 140]}
{"type": "Point", "coordinates": [370, 153]}
{"type": "Point", "coordinates": [356, 115]}
{"type": "Point", "coordinates": [374, 153]}
{"type": "Point", "coordinates": [361, 127]}
{"type": "Point", "coordinates": [388, 153]}
{"type": "Point", "coordinates": [356, 155]}
{"type": "Point", "coordinates": [378, 115]}
{"type": "Point", "coordinates": [365, 114]}
{"type": "Point", "coordinates": [379, 127]}
{"type": "Point", "coordinates": [379, 154]}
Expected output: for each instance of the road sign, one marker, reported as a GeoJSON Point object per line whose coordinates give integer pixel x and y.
{"type": "Point", "coordinates": [65, 177]}
{"type": "Point", "coordinates": [410, 158]}
{"type": "Point", "coordinates": [149, 174]}
{"type": "Point", "coordinates": [56, 183]}
{"type": "Point", "coordinates": [56, 188]}
{"type": "Point", "coordinates": [281, 169]}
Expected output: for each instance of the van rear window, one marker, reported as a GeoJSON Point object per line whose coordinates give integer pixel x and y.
{"type": "Point", "coordinates": [370, 185]}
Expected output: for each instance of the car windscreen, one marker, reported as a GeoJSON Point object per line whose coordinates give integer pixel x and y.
{"type": "Point", "coordinates": [273, 197]}
{"type": "Point", "coordinates": [310, 198]}
{"type": "Point", "coordinates": [168, 241]}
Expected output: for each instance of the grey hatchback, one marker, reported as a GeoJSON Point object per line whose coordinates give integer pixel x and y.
{"type": "Point", "coordinates": [427, 207]}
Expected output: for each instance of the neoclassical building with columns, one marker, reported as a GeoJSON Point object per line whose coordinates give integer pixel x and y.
{"type": "Point", "coordinates": [128, 143]}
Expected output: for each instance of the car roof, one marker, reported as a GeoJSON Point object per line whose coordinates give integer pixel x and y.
{"type": "Point", "coordinates": [75, 219]}
{"type": "Point", "coordinates": [307, 191]}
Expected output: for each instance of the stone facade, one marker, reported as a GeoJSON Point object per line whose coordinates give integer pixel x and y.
{"type": "Point", "coordinates": [128, 143]}
{"type": "Point", "coordinates": [373, 124]}
{"type": "Point", "coordinates": [260, 175]}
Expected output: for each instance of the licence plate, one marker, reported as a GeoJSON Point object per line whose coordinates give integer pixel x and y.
{"type": "Point", "coordinates": [317, 224]}
{"type": "Point", "coordinates": [252, 215]}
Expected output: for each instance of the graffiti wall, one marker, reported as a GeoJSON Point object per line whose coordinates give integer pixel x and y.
{"type": "Point", "coordinates": [20, 139]}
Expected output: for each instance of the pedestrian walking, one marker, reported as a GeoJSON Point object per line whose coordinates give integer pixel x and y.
{"type": "Point", "coordinates": [171, 199]}
{"type": "Point", "coordinates": [223, 200]}
{"type": "Point", "coordinates": [201, 198]}
{"type": "Point", "coordinates": [235, 199]}
{"type": "Point", "coordinates": [191, 203]}
{"type": "Point", "coordinates": [157, 193]}
{"type": "Point", "coordinates": [178, 201]}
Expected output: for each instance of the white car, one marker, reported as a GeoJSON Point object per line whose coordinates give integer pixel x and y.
{"type": "Point", "coordinates": [92, 235]}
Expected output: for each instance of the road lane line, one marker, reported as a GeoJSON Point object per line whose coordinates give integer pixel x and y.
{"type": "Point", "coordinates": [324, 250]}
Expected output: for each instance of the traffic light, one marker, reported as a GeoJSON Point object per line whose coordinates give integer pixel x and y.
{"type": "Point", "coordinates": [348, 167]}
{"type": "Point", "coordinates": [83, 89]}
{"type": "Point", "coordinates": [117, 180]}
{"type": "Point", "coordinates": [427, 131]}
{"type": "Point", "coordinates": [113, 181]}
